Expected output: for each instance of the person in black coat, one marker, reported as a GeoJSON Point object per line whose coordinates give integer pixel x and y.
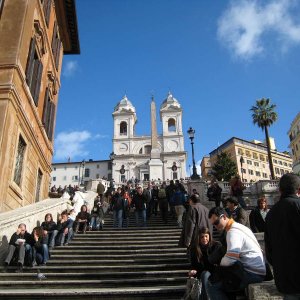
{"type": "Point", "coordinates": [205, 253]}
{"type": "Point", "coordinates": [50, 231]}
{"type": "Point", "coordinates": [139, 202]}
{"type": "Point", "coordinates": [21, 242]}
{"type": "Point", "coordinates": [82, 219]}
{"type": "Point", "coordinates": [282, 237]}
{"type": "Point", "coordinates": [214, 192]}
{"type": "Point", "coordinates": [258, 215]}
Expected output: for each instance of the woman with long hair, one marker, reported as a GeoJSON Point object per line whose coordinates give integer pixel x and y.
{"type": "Point", "coordinates": [205, 253]}
{"type": "Point", "coordinates": [258, 215]}
{"type": "Point", "coordinates": [50, 230]}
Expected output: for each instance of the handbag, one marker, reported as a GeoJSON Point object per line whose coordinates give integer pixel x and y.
{"type": "Point", "coordinates": [193, 289]}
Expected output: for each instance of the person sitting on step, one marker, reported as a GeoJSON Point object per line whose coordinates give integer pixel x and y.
{"type": "Point", "coordinates": [82, 219]}
{"type": "Point", "coordinates": [40, 252]}
{"type": "Point", "coordinates": [50, 231]}
{"type": "Point", "coordinates": [205, 253]}
{"type": "Point", "coordinates": [236, 212]}
{"type": "Point", "coordinates": [20, 244]}
{"type": "Point", "coordinates": [65, 229]}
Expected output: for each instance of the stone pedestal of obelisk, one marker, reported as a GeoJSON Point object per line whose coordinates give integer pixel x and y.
{"type": "Point", "coordinates": [155, 164]}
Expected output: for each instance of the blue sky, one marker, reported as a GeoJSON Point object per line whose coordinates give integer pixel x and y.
{"type": "Point", "coordinates": [216, 57]}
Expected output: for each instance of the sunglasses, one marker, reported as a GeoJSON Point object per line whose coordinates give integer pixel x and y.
{"type": "Point", "coordinates": [217, 222]}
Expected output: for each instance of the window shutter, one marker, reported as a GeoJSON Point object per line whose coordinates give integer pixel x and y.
{"type": "Point", "coordinates": [47, 10]}
{"type": "Point", "coordinates": [30, 62]}
{"type": "Point", "coordinates": [51, 121]}
{"type": "Point", "coordinates": [53, 44]}
{"type": "Point", "coordinates": [57, 54]}
{"type": "Point", "coordinates": [45, 111]}
{"type": "Point", "coordinates": [37, 88]}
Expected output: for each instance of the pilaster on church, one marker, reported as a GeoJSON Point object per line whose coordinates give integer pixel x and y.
{"type": "Point", "coordinates": [154, 156]}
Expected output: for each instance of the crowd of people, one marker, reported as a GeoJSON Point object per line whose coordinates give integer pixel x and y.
{"type": "Point", "coordinates": [227, 266]}
{"type": "Point", "coordinates": [67, 188]}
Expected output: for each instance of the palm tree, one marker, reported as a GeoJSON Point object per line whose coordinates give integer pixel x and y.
{"type": "Point", "coordinates": [264, 115]}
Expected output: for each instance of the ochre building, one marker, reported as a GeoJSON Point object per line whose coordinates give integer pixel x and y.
{"type": "Point", "coordinates": [294, 135]}
{"type": "Point", "coordinates": [34, 35]}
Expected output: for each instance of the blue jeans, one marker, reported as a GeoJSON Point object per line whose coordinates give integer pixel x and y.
{"type": "Point", "coordinates": [118, 218]}
{"type": "Point", "coordinates": [41, 254]}
{"type": "Point", "coordinates": [215, 290]}
{"type": "Point", "coordinates": [142, 214]}
{"type": "Point", "coordinates": [204, 279]}
{"type": "Point", "coordinates": [291, 297]}
{"type": "Point", "coordinates": [94, 224]}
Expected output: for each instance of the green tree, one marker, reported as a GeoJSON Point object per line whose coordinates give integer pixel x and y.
{"type": "Point", "coordinates": [264, 115]}
{"type": "Point", "coordinates": [224, 168]}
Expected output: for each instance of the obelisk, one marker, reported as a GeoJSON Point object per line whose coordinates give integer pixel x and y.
{"type": "Point", "coordinates": [155, 164]}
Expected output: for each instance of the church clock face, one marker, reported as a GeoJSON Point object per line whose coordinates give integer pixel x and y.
{"type": "Point", "coordinates": [123, 147]}
{"type": "Point", "coordinates": [172, 145]}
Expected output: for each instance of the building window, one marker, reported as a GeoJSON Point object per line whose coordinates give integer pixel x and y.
{"type": "Point", "coordinates": [34, 69]}
{"type": "Point", "coordinates": [19, 161]}
{"type": "Point", "coordinates": [277, 171]}
{"type": "Point", "coordinates": [65, 168]}
{"type": "Point", "coordinates": [54, 178]}
{"type": "Point", "coordinates": [240, 151]}
{"type": "Point", "coordinates": [244, 171]}
{"type": "Point", "coordinates": [256, 164]}
{"type": "Point", "coordinates": [257, 173]}
{"type": "Point", "coordinates": [250, 172]}
{"type": "Point", "coordinates": [97, 176]}
{"type": "Point", "coordinates": [275, 161]}
{"type": "Point", "coordinates": [38, 185]}
{"type": "Point", "coordinates": [248, 154]}
{"type": "Point", "coordinates": [281, 171]}
{"type": "Point", "coordinates": [261, 157]}
{"type": "Point", "coordinates": [265, 175]}
{"type": "Point", "coordinates": [75, 178]}
{"type": "Point", "coordinates": [56, 45]}
{"type": "Point", "coordinates": [249, 162]}
{"type": "Point", "coordinates": [254, 155]}
{"type": "Point", "coordinates": [171, 125]}
{"type": "Point", "coordinates": [175, 175]}
{"type": "Point", "coordinates": [64, 178]}
{"type": "Point", "coordinates": [148, 149]}
{"type": "Point", "coordinates": [1, 7]}
{"type": "Point", "coordinates": [141, 151]}
{"type": "Point", "coordinates": [98, 166]}
{"type": "Point", "coordinates": [285, 164]}
{"type": "Point", "coordinates": [76, 167]}
{"type": "Point", "coordinates": [48, 115]}
{"type": "Point", "coordinates": [123, 128]}
{"type": "Point", "coordinates": [47, 10]}
{"type": "Point", "coordinates": [87, 172]}
{"type": "Point", "coordinates": [290, 165]}
{"type": "Point", "coordinates": [54, 169]}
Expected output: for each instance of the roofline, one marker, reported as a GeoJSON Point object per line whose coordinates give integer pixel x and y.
{"type": "Point", "coordinates": [261, 145]}
{"type": "Point", "coordinates": [79, 162]}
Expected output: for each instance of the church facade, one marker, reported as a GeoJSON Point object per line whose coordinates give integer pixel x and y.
{"type": "Point", "coordinates": [151, 157]}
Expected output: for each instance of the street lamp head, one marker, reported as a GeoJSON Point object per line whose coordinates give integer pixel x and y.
{"type": "Point", "coordinates": [191, 133]}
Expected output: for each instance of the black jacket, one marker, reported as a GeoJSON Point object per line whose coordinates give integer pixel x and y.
{"type": "Point", "coordinates": [257, 223]}
{"type": "Point", "coordinates": [139, 201]}
{"type": "Point", "coordinates": [49, 226]}
{"type": "Point", "coordinates": [211, 256]}
{"type": "Point", "coordinates": [27, 236]}
{"type": "Point", "coordinates": [282, 242]}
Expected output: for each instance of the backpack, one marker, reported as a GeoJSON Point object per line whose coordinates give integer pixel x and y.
{"type": "Point", "coordinates": [162, 194]}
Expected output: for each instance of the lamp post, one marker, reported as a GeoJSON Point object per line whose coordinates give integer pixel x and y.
{"type": "Point", "coordinates": [242, 161]}
{"type": "Point", "coordinates": [191, 133]}
{"type": "Point", "coordinates": [82, 166]}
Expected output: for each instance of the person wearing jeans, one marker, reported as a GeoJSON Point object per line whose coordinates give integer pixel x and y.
{"type": "Point", "coordinates": [117, 206]}
{"type": "Point", "coordinates": [242, 246]}
{"type": "Point", "coordinates": [139, 203]}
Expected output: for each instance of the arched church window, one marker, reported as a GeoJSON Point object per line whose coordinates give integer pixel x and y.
{"type": "Point", "coordinates": [123, 128]}
{"type": "Point", "coordinates": [141, 151]}
{"type": "Point", "coordinates": [148, 149]}
{"type": "Point", "coordinates": [171, 125]}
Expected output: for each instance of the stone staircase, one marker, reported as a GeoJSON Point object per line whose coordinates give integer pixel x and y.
{"type": "Point", "coordinates": [132, 263]}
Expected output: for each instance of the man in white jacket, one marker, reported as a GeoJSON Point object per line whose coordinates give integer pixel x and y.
{"type": "Point", "coordinates": [241, 246]}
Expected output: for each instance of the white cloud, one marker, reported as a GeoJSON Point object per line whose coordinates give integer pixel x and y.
{"type": "Point", "coordinates": [244, 26]}
{"type": "Point", "coordinates": [71, 144]}
{"type": "Point", "coordinates": [70, 68]}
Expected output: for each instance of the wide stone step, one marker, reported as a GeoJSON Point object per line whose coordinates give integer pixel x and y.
{"type": "Point", "coordinates": [84, 237]}
{"type": "Point", "coordinates": [135, 230]}
{"type": "Point", "coordinates": [136, 282]}
{"type": "Point", "coordinates": [119, 246]}
{"type": "Point", "coordinates": [106, 250]}
{"type": "Point", "coordinates": [157, 292]}
{"type": "Point", "coordinates": [29, 275]}
{"type": "Point", "coordinates": [116, 268]}
{"type": "Point", "coordinates": [122, 261]}
{"type": "Point", "coordinates": [110, 244]}
{"type": "Point", "coordinates": [88, 256]}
